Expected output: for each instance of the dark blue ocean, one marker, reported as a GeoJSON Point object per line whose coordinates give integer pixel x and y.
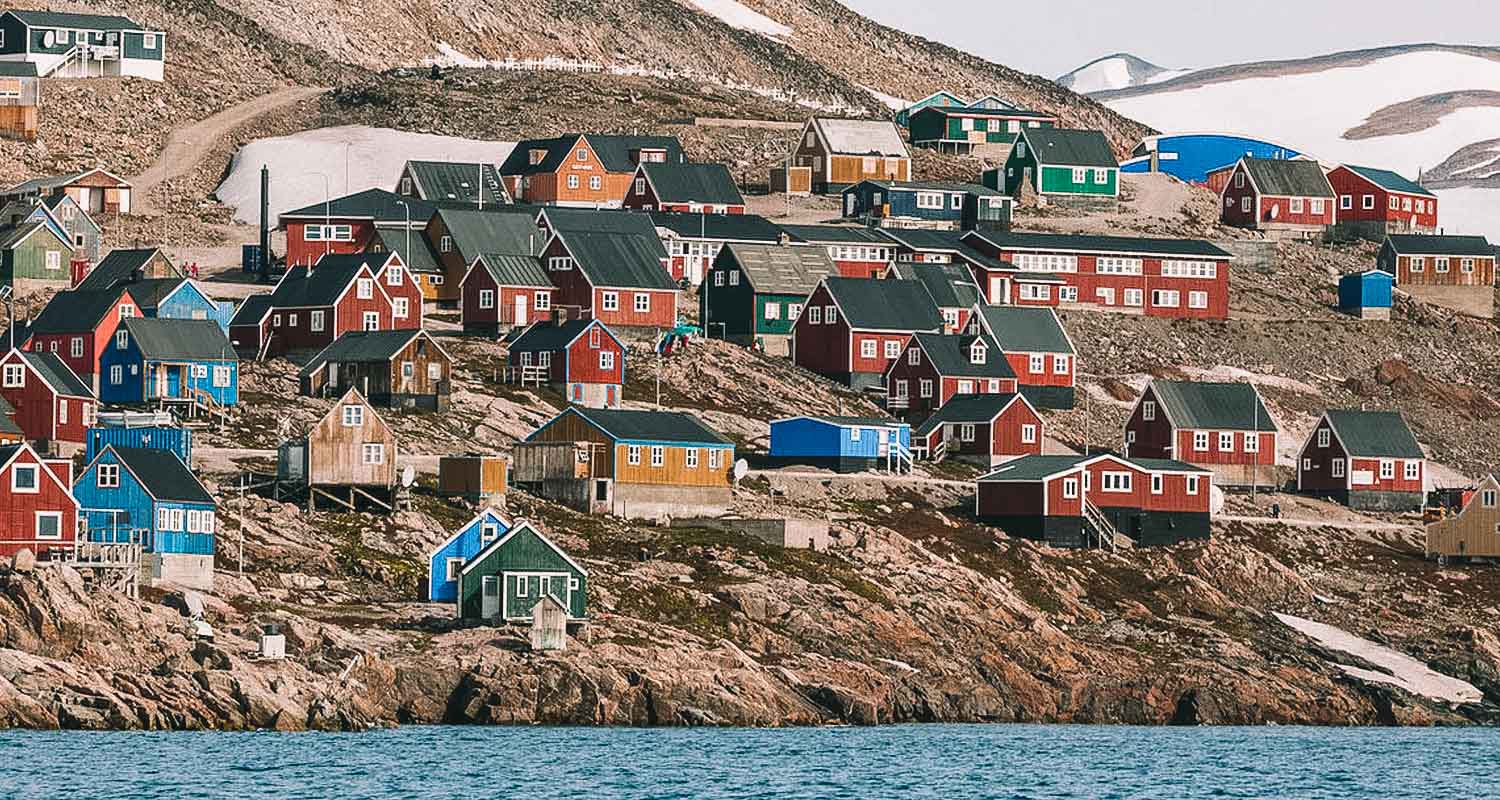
{"type": "Point", "coordinates": [904, 762]}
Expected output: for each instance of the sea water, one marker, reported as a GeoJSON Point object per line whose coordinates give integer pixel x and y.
{"type": "Point", "coordinates": [904, 762]}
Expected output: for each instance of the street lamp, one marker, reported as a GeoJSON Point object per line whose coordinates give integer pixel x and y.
{"type": "Point", "coordinates": [327, 213]}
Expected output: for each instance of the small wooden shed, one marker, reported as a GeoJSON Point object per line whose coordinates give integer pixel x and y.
{"type": "Point", "coordinates": [474, 477]}
{"type": "Point", "coordinates": [349, 456]}
{"type": "Point", "coordinates": [549, 624]}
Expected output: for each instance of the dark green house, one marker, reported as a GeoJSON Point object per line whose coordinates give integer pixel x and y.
{"type": "Point", "coordinates": [506, 579]}
{"type": "Point", "coordinates": [66, 45]}
{"type": "Point", "coordinates": [1059, 163]}
{"type": "Point", "coordinates": [754, 292]}
{"type": "Point", "coordinates": [32, 256]}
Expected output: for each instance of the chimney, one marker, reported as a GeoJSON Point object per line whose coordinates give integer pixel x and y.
{"type": "Point", "coordinates": [263, 259]}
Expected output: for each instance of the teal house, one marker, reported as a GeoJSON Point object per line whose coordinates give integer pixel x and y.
{"type": "Point", "coordinates": [64, 45]}
{"type": "Point", "coordinates": [506, 579]}
{"type": "Point", "coordinates": [753, 293]}
{"type": "Point", "coordinates": [1058, 164]}
{"type": "Point", "coordinates": [940, 99]}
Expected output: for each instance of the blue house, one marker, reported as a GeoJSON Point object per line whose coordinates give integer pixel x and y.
{"type": "Point", "coordinates": [188, 301]}
{"type": "Point", "coordinates": [130, 494]}
{"type": "Point", "coordinates": [842, 444]}
{"type": "Point", "coordinates": [966, 204]}
{"type": "Point", "coordinates": [1189, 157]}
{"type": "Point", "coordinates": [172, 361]}
{"type": "Point", "coordinates": [446, 562]}
{"type": "Point", "coordinates": [1366, 295]}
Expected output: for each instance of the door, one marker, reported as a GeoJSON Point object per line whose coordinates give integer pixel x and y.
{"type": "Point", "coordinates": [162, 389]}
{"type": "Point", "coordinates": [1026, 178]}
{"type": "Point", "coordinates": [849, 205]}
{"type": "Point", "coordinates": [489, 597]}
{"type": "Point", "coordinates": [520, 309]}
{"type": "Point", "coordinates": [609, 397]}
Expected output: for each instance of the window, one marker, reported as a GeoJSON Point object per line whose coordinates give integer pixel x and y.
{"type": "Point", "coordinates": [924, 387]}
{"type": "Point", "coordinates": [734, 278]}
{"type": "Point", "coordinates": [929, 200]}
{"type": "Point", "coordinates": [399, 307]}
{"type": "Point", "coordinates": [1252, 442]}
{"type": "Point", "coordinates": [1467, 265]}
{"type": "Point", "coordinates": [1070, 488]}
{"type": "Point", "coordinates": [1156, 483]}
{"type": "Point", "coordinates": [1245, 205]}
{"type": "Point", "coordinates": [1316, 206]}
{"type": "Point", "coordinates": [1192, 484]}
{"type": "Point", "coordinates": [25, 479]}
{"type": "Point", "coordinates": [1079, 175]}
{"type": "Point", "coordinates": [1395, 203]}
{"type": "Point", "coordinates": [221, 377]}
{"type": "Point", "coordinates": [1116, 481]}
{"type": "Point", "coordinates": [1419, 265]}
{"type": "Point", "coordinates": [107, 476]}
{"type": "Point", "coordinates": [1387, 469]}
{"type": "Point", "coordinates": [715, 458]}
{"type": "Point", "coordinates": [658, 456]}
{"type": "Point", "coordinates": [372, 453]}
{"type": "Point", "coordinates": [49, 524]}
{"type": "Point", "coordinates": [54, 259]}
{"type": "Point", "coordinates": [815, 315]}
{"type": "Point", "coordinates": [773, 311]}
{"type": "Point", "coordinates": [1368, 202]}
{"type": "Point", "coordinates": [1032, 291]}
{"type": "Point", "coordinates": [1028, 434]}
{"type": "Point", "coordinates": [1197, 299]}
{"type": "Point", "coordinates": [276, 321]}
{"type": "Point", "coordinates": [454, 567]}
{"type": "Point", "coordinates": [830, 314]}
{"type": "Point", "coordinates": [148, 41]}
{"type": "Point", "coordinates": [594, 337]}
{"type": "Point", "coordinates": [892, 348]}
{"type": "Point", "coordinates": [1440, 264]}
{"type": "Point", "coordinates": [606, 360]}
{"type": "Point", "coordinates": [642, 302]}
{"type": "Point", "coordinates": [1295, 205]}
{"type": "Point", "coordinates": [365, 289]}
{"type": "Point", "coordinates": [1346, 201]}
{"type": "Point", "coordinates": [559, 263]}
{"type": "Point", "coordinates": [291, 319]}
{"type": "Point", "coordinates": [965, 387]}
{"type": "Point", "coordinates": [1067, 294]}
{"type": "Point", "coordinates": [914, 356]}
{"type": "Point", "coordinates": [1488, 498]}
{"type": "Point", "coordinates": [718, 279]}
{"type": "Point", "coordinates": [1239, 180]}
{"type": "Point", "coordinates": [1323, 437]}
{"type": "Point", "coordinates": [116, 375]}
{"type": "Point", "coordinates": [581, 154]}
{"type": "Point", "coordinates": [1406, 204]}
{"type": "Point", "coordinates": [903, 389]}
{"type": "Point", "coordinates": [76, 348]}
{"type": "Point", "coordinates": [372, 321]}
{"type": "Point", "coordinates": [1338, 467]}
{"type": "Point", "coordinates": [966, 432]}
{"type": "Point", "coordinates": [1189, 269]}
{"type": "Point", "coordinates": [1165, 298]}
{"type": "Point", "coordinates": [122, 340]}
{"type": "Point", "coordinates": [977, 352]}
{"type": "Point", "coordinates": [1101, 176]}
{"type": "Point", "coordinates": [867, 348]}
{"type": "Point", "coordinates": [633, 454]}
{"type": "Point", "coordinates": [609, 301]}
{"type": "Point", "coordinates": [353, 416]}
{"type": "Point", "coordinates": [163, 518]}
{"type": "Point", "coordinates": [316, 320]}
{"type": "Point", "coordinates": [543, 359]}
{"type": "Point", "coordinates": [793, 311]}
{"type": "Point", "coordinates": [1148, 411]}
{"type": "Point", "coordinates": [1411, 470]}
{"type": "Point", "coordinates": [1200, 441]}
{"type": "Point", "coordinates": [691, 457]}
{"type": "Point", "coordinates": [595, 182]}
{"type": "Point", "coordinates": [1117, 266]}
{"type": "Point", "coordinates": [854, 434]}
{"type": "Point", "coordinates": [1042, 262]}
{"type": "Point", "coordinates": [640, 186]}
{"type": "Point", "coordinates": [15, 376]}
{"type": "Point", "coordinates": [1059, 365]}
{"type": "Point", "coordinates": [176, 523]}
{"type": "Point", "coordinates": [1226, 442]}
{"type": "Point", "coordinates": [393, 276]}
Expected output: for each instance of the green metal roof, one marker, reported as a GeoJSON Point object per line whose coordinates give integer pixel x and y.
{"type": "Point", "coordinates": [613, 152]}
{"type": "Point", "coordinates": [421, 258]}
{"type": "Point", "coordinates": [76, 310]}
{"type": "Point", "coordinates": [976, 408]}
{"type": "Point", "coordinates": [722, 227]}
{"type": "Point", "coordinates": [1070, 148]}
{"type": "Point", "coordinates": [613, 248]}
{"type": "Point", "coordinates": [1387, 179]}
{"type": "Point", "coordinates": [836, 234]}
{"type": "Point", "coordinates": [1019, 329]}
{"type": "Point", "coordinates": [1420, 245]}
{"type": "Point", "coordinates": [1200, 405]}
{"type": "Point", "coordinates": [550, 336]}
{"type": "Point", "coordinates": [57, 374]}
{"type": "Point", "coordinates": [186, 339]}
{"type": "Point", "coordinates": [358, 346]}
{"type": "Point", "coordinates": [458, 182]}
{"type": "Point", "coordinates": [119, 265]}
{"type": "Point", "coordinates": [882, 305]}
{"type": "Point", "coordinates": [321, 284]}
{"type": "Point", "coordinates": [647, 426]}
{"type": "Point", "coordinates": [512, 270]}
{"type": "Point", "coordinates": [693, 183]}
{"type": "Point", "coordinates": [951, 285]}
{"type": "Point", "coordinates": [949, 354]}
{"type": "Point", "coordinates": [502, 230]}
{"type": "Point", "coordinates": [1033, 468]}
{"type": "Point", "coordinates": [1112, 245]}
{"type": "Point", "coordinates": [1374, 434]}
{"type": "Point", "coordinates": [375, 204]}
{"type": "Point", "coordinates": [59, 19]}
{"type": "Point", "coordinates": [252, 309]}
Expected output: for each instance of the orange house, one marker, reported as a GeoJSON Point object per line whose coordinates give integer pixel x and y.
{"type": "Point", "coordinates": [584, 170]}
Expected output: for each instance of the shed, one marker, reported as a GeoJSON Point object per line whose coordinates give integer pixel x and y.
{"type": "Point", "coordinates": [843, 444]}
{"type": "Point", "coordinates": [474, 477]}
{"type": "Point", "coordinates": [1367, 294]}
{"type": "Point", "coordinates": [152, 430]}
{"type": "Point", "coordinates": [392, 369]}
{"type": "Point", "coordinates": [506, 580]}
{"type": "Point", "coordinates": [549, 624]}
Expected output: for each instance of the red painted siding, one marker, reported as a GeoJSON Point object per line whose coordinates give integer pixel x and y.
{"type": "Point", "coordinates": [1151, 438]}
{"type": "Point", "coordinates": [1057, 504]}
{"type": "Point", "coordinates": [299, 251]}
{"type": "Point", "coordinates": [1234, 454]}
{"type": "Point", "coordinates": [1012, 499]}
{"type": "Point", "coordinates": [1348, 183]}
{"type": "Point", "coordinates": [470, 312]}
{"type": "Point", "coordinates": [1398, 483]}
{"type": "Point", "coordinates": [1020, 363]}
{"type": "Point", "coordinates": [18, 510]}
{"type": "Point", "coordinates": [877, 363]}
{"type": "Point", "coordinates": [861, 269]}
{"type": "Point", "coordinates": [350, 311]}
{"type": "Point", "coordinates": [405, 288]}
{"type": "Point", "coordinates": [583, 361]}
{"type": "Point", "coordinates": [1006, 439]}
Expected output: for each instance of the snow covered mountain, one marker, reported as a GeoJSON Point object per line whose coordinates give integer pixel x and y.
{"type": "Point", "coordinates": [1116, 71]}
{"type": "Point", "coordinates": [1409, 109]}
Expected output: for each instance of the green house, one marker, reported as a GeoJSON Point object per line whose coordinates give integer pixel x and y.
{"type": "Point", "coordinates": [506, 579]}
{"type": "Point", "coordinates": [1060, 162]}
{"type": "Point", "coordinates": [961, 130]}
{"type": "Point", "coordinates": [33, 256]}
{"type": "Point", "coordinates": [754, 292]}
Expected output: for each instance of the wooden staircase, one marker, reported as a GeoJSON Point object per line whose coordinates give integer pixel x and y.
{"type": "Point", "coordinates": [1099, 532]}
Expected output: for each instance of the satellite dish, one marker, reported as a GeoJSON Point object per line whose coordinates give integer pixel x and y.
{"type": "Point", "coordinates": [1216, 501]}
{"type": "Point", "coordinates": [408, 476]}
{"type": "Point", "coordinates": [741, 469]}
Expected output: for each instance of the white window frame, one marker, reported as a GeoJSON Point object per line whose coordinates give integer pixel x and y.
{"type": "Point", "coordinates": [1070, 489]}
{"type": "Point", "coordinates": [633, 455]}
{"type": "Point", "coordinates": [372, 453]}
{"type": "Point", "coordinates": [1059, 365]}
{"type": "Point", "coordinates": [352, 415]}
{"type": "Point", "coordinates": [1028, 434]}
{"type": "Point", "coordinates": [1226, 441]}
{"type": "Point", "coordinates": [1387, 469]}
{"type": "Point", "coordinates": [1116, 482]}
{"type": "Point", "coordinates": [690, 457]}
{"type": "Point", "coordinates": [609, 301]}
{"type": "Point", "coordinates": [1200, 441]}
{"type": "Point", "coordinates": [15, 376]}
{"type": "Point", "coordinates": [658, 456]}
{"type": "Point", "coordinates": [35, 471]}
{"type": "Point", "coordinates": [107, 476]}
{"type": "Point", "coordinates": [1148, 411]}
{"type": "Point", "coordinates": [606, 359]}
{"type": "Point", "coordinates": [1411, 470]}
{"type": "Point", "coordinates": [54, 515]}
{"type": "Point", "coordinates": [641, 303]}
{"type": "Point", "coordinates": [1158, 483]}
{"type": "Point", "coordinates": [1337, 470]}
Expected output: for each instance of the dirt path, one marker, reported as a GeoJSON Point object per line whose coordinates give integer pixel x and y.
{"type": "Point", "coordinates": [189, 145]}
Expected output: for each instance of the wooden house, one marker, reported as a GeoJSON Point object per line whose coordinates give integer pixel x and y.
{"type": "Point", "coordinates": [347, 457]}
{"type": "Point", "coordinates": [851, 329]}
{"type": "Point", "coordinates": [1280, 197]}
{"type": "Point", "coordinates": [933, 369]}
{"type": "Point", "coordinates": [505, 292]}
{"type": "Point", "coordinates": [1038, 349]}
{"type": "Point", "coordinates": [45, 400]}
{"type": "Point", "coordinates": [1224, 427]}
{"type": "Point", "coordinates": [65, 45]}
{"type": "Point", "coordinates": [95, 190]}
{"type": "Point", "coordinates": [20, 100]}
{"type": "Point", "coordinates": [37, 509]}
{"type": "Point", "coordinates": [453, 183]}
{"type": "Point", "coordinates": [842, 444]}
{"type": "Point", "coordinates": [680, 186]}
{"type": "Point", "coordinates": [1091, 501]}
{"type": "Point", "coordinates": [987, 428]}
{"type": "Point", "coordinates": [250, 327]}
{"type": "Point", "coordinates": [188, 365]}
{"type": "Point", "coordinates": [66, 221]}
{"type": "Point", "coordinates": [976, 131]}
{"type": "Point", "coordinates": [582, 358]}
{"type": "Point", "coordinates": [1376, 202]}
{"type": "Point", "coordinates": [79, 226]}
{"type": "Point", "coordinates": [392, 369]}
{"type": "Point", "coordinates": [755, 292]}
{"type": "Point", "coordinates": [633, 464]}
{"type": "Point", "coordinates": [314, 305]}
{"type": "Point", "coordinates": [941, 98]}
{"type": "Point", "coordinates": [1367, 460]}
{"type": "Point", "coordinates": [857, 252]}
{"type": "Point", "coordinates": [514, 574]}
{"type": "Point", "coordinates": [474, 477]}
{"type": "Point", "coordinates": [843, 152]}
{"type": "Point", "coordinates": [1438, 260]}
{"type": "Point", "coordinates": [148, 496]}
{"type": "Point", "coordinates": [922, 203]}
{"type": "Point", "coordinates": [401, 287]}
{"type": "Point", "coordinates": [1474, 532]}
{"type": "Point", "coordinates": [693, 241]}
{"type": "Point", "coordinates": [951, 285]}
{"type": "Point", "coordinates": [586, 170]}
{"type": "Point", "coordinates": [33, 256]}
{"type": "Point", "coordinates": [459, 236]}
{"type": "Point", "coordinates": [128, 265]}
{"type": "Point", "coordinates": [1061, 166]}
{"type": "Point", "coordinates": [78, 326]}
{"type": "Point", "coordinates": [1368, 294]}
{"type": "Point", "coordinates": [447, 560]}
{"type": "Point", "coordinates": [609, 265]}
{"type": "Point", "coordinates": [349, 224]}
{"type": "Point", "coordinates": [1180, 278]}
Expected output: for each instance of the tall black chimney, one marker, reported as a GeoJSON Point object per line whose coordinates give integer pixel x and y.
{"type": "Point", "coordinates": [263, 265]}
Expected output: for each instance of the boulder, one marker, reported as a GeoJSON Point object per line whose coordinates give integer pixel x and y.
{"type": "Point", "coordinates": [23, 561]}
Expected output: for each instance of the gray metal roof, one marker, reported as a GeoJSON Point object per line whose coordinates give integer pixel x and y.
{"type": "Point", "coordinates": [185, 339]}
{"type": "Point", "coordinates": [76, 310]}
{"type": "Point", "coordinates": [252, 309]}
{"type": "Point", "coordinates": [420, 259]}
{"type": "Point", "coordinates": [647, 426]}
{"type": "Point", "coordinates": [949, 354]}
{"type": "Point", "coordinates": [693, 183]}
{"type": "Point", "coordinates": [459, 182]}
{"type": "Point", "coordinates": [1201, 405]}
{"type": "Point", "coordinates": [779, 269]}
{"type": "Point", "coordinates": [1112, 245]}
{"type": "Point", "coordinates": [836, 234]}
{"type": "Point", "coordinates": [721, 227]}
{"type": "Point", "coordinates": [359, 346]}
{"type": "Point", "coordinates": [976, 408]}
{"type": "Point", "coordinates": [861, 137]}
{"type": "Point", "coordinates": [59, 19]}
{"type": "Point", "coordinates": [1288, 177]}
{"type": "Point", "coordinates": [613, 248]}
{"type": "Point", "coordinates": [163, 474]}
{"type": "Point", "coordinates": [118, 266]}
{"type": "Point", "coordinates": [936, 186]}
{"type": "Point", "coordinates": [1021, 329]}
{"type": "Point", "coordinates": [513, 270]}
{"type": "Point", "coordinates": [321, 284]}
{"type": "Point", "coordinates": [1035, 468]}
{"type": "Point", "coordinates": [951, 285]}
{"type": "Point", "coordinates": [1374, 434]}
{"type": "Point", "coordinates": [17, 69]}
{"type": "Point", "coordinates": [375, 204]}
{"type": "Point", "coordinates": [57, 374]}
{"type": "Point", "coordinates": [1419, 245]}
{"type": "Point", "coordinates": [504, 229]}
{"type": "Point", "coordinates": [874, 304]}
{"type": "Point", "coordinates": [550, 336]}
{"type": "Point", "coordinates": [1070, 148]}
{"type": "Point", "coordinates": [613, 152]}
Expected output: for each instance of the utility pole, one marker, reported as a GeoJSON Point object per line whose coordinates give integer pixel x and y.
{"type": "Point", "coordinates": [242, 523]}
{"type": "Point", "coordinates": [1255, 432]}
{"type": "Point", "coordinates": [658, 374]}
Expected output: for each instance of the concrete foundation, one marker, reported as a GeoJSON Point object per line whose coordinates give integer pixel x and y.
{"type": "Point", "coordinates": [1243, 475]}
{"type": "Point", "coordinates": [1384, 501]}
{"type": "Point", "coordinates": [1475, 301]}
{"type": "Point", "coordinates": [650, 501]}
{"type": "Point", "coordinates": [806, 534]}
{"type": "Point", "coordinates": [191, 571]}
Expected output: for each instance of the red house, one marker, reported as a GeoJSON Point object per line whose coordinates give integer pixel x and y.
{"type": "Point", "coordinates": [988, 428]}
{"type": "Point", "coordinates": [250, 326]}
{"type": "Point", "coordinates": [400, 285]}
{"type": "Point", "coordinates": [609, 265]}
{"type": "Point", "coordinates": [314, 305]}
{"type": "Point", "coordinates": [1224, 427]}
{"type": "Point", "coordinates": [857, 252]}
{"type": "Point", "coordinates": [77, 326]}
{"type": "Point", "coordinates": [676, 186]}
{"type": "Point", "coordinates": [852, 329]}
{"type": "Point", "coordinates": [348, 224]}
{"type": "Point", "coordinates": [1376, 202]}
{"type": "Point", "coordinates": [1181, 278]}
{"type": "Point", "coordinates": [51, 405]}
{"type": "Point", "coordinates": [37, 508]}
{"type": "Point", "coordinates": [934, 368]}
{"type": "Point", "coordinates": [1289, 197]}
{"type": "Point", "coordinates": [1040, 354]}
{"type": "Point", "coordinates": [581, 357]}
{"type": "Point", "coordinates": [505, 291]}
{"type": "Point", "coordinates": [1368, 460]}
{"type": "Point", "coordinates": [1090, 501]}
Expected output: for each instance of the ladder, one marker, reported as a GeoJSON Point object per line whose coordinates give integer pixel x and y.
{"type": "Point", "coordinates": [1099, 531]}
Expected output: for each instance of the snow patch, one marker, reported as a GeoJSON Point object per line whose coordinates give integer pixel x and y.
{"type": "Point", "coordinates": [299, 162]}
{"type": "Point", "coordinates": [738, 15]}
{"type": "Point", "coordinates": [450, 56]}
{"type": "Point", "coordinates": [891, 101]}
{"type": "Point", "coordinates": [1470, 210]}
{"type": "Point", "coordinates": [1400, 670]}
{"type": "Point", "coordinates": [1102, 76]}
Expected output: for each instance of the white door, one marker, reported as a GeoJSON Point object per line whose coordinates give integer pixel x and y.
{"type": "Point", "coordinates": [489, 597]}
{"type": "Point", "coordinates": [520, 309]}
{"type": "Point", "coordinates": [849, 205]}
